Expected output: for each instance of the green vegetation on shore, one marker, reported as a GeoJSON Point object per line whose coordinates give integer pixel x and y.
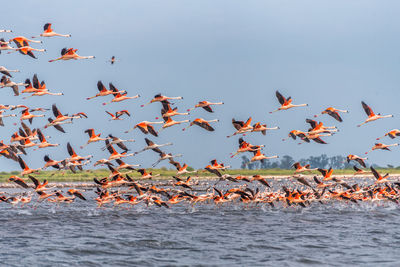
{"type": "Point", "coordinates": [88, 175]}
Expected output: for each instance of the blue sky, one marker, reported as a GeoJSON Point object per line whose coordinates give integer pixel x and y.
{"type": "Point", "coordinates": [322, 53]}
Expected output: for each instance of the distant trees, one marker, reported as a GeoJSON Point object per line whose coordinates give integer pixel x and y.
{"type": "Point", "coordinates": [286, 162]}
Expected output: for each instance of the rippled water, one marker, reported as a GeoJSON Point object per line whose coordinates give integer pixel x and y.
{"type": "Point", "coordinates": [80, 234]}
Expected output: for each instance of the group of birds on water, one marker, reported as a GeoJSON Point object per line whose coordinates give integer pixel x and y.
{"type": "Point", "coordinates": [120, 189]}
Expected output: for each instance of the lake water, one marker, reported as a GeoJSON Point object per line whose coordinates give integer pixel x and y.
{"type": "Point", "coordinates": [232, 234]}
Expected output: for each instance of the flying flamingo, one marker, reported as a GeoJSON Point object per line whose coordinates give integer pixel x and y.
{"type": "Point", "coordinates": [300, 169]}
{"type": "Point", "coordinates": [333, 112]}
{"type": "Point", "coordinates": [371, 115]}
{"type": "Point", "coordinates": [381, 146]}
{"type": "Point", "coordinates": [26, 115]}
{"type": "Point", "coordinates": [103, 90]}
{"type": "Point", "coordinates": [4, 116]}
{"type": "Point", "coordinates": [43, 142]}
{"type": "Point", "coordinates": [118, 114]}
{"type": "Point", "coordinates": [241, 127]}
{"type": "Point", "coordinates": [5, 46]}
{"type": "Point", "coordinates": [258, 127]}
{"type": "Point", "coordinates": [114, 153]}
{"type": "Point", "coordinates": [164, 156]}
{"type": "Point", "coordinates": [41, 89]}
{"type": "Point", "coordinates": [180, 169]}
{"type": "Point", "coordinates": [258, 156]}
{"type": "Point", "coordinates": [146, 127]}
{"type": "Point", "coordinates": [93, 137]}
{"type": "Point", "coordinates": [205, 124]}
{"type": "Point", "coordinates": [51, 163]}
{"type": "Point", "coordinates": [74, 156]}
{"type": "Point", "coordinates": [6, 82]}
{"type": "Point", "coordinates": [70, 53]}
{"type": "Point", "coordinates": [25, 169]}
{"type": "Point", "coordinates": [286, 103]}
{"type": "Point", "coordinates": [206, 105]}
{"type": "Point", "coordinates": [25, 49]}
{"type": "Point", "coordinates": [153, 146]}
{"type": "Point", "coordinates": [356, 158]}
{"type": "Point", "coordinates": [167, 111]}
{"type": "Point", "coordinates": [22, 39]}
{"type": "Point", "coordinates": [123, 165]}
{"type": "Point", "coordinates": [160, 98]}
{"type": "Point", "coordinates": [319, 127]}
{"type": "Point", "coordinates": [113, 60]}
{"type": "Point", "coordinates": [118, 141]}
{"type": "Point", "coordinates": [48, 32]}
{"type": "Point", "coordinates": [170, 122]}
{"type": "Point", "coordinates": [392, 134]}
{"type": "Point", "coordinates": [246, 147]}
{"type": "Point", "coordinates": [379, 178]}
{"type": "Point", "coordinates": [118, 97]}
{"type": "Point", "coordinates": [6, 71]}
{"type": "Point", "coordinates": [5, 30]}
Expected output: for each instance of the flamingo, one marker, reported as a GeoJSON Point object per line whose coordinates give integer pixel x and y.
{"type": "Point", "coordinates": [113, 60]}
{"type": "Point", "coordinates": [25, 169]}
{"type": "Point", "coordinates": [118, 97]}
{"type": "Point", "coordinates": [48, 32]}
{"type": "Point", "coordinates": [43, 141]}
{"type": "Point", "coordinates": [317, 128]}
{"type": "Point", "coordinates": [258, 127]}
{"type": "Point", "coordinates": [258, 156]}
{"type": "Point", "coordinates": [379, 178]}
{"type": "Point", "coordinates": [246, 147]}
{"type": "Point", "coordinates": [333, 112]}
{"type": "Point", "coordinates": [51, 163]}
{"type": "Point", "coordinates": [6, 82]}
{"type": "Point", "coordinates": [381, 146]}
{"type": "Point", "coordinates": [4, 116]}
{"type": "Point", "coordinates": [146, 127]}
{"type": "Point", "coordinates": [360, 160]}
{"type": "Point", "coordinates": [169, 122]}
{"type": "Point", "coordinates": [205, 124]}
{"type": "Point", "coordinates": [25, 49]}
{"type": "Point", "coordinates": [6, 31]}
{"type": "Point", "coordinates": [38, 89]}
{"type": "Point", "coordinates": [286, 103]}
{"type": "Point", "coordinates": [164, 156]}
{"type": "Point", "coordinates": [181, 169]}
{"type": "Point", "coordinates": [300, 168]}
{"type": "Point", "coordinates": [326, 173]}
{"type": "Point", "coordinates": [6, 71]}
{"type": "Point", "coordinates": [26, 115]}
{"type": "Point", "coordinates": [160, 98]}
{"type": "Point", "coordinates": [119, 142]}
{"type": "Point", "coordinates": [5, 46]}
{"type": "Point", "coordinates": [114, 153]}
{"type": "Point", "coordinates": [22, 39]}
{"type": "Point", "coordinates": [70, 53]}
{"type": "Point", "coordinates": [167, 111]}
{"type": "Point", "coordinates": [73, 156]}
{"type": "Point", "coordinates": [123, 165]}
{"type": "Point", "coordinates": [392, 134]}
{"type": "Point", "coordinates": [206, 105]}
{"type": "Point", "coordinates": [118, 114]}
{"type": "Point", "coordinates": [146, 175]}
{"type": "Point", "coordinates": [104, 92]}
{"type": "Point", "coordinates": [93, 137]}
{"type": "Point", "coordinates": [153, 146]}
{"type": "Point", "coordinates": [371, 115]}
{"type": "Point", "coordinates": [296, 133]}
{"type": "Point", "coordinates": [241, 127]}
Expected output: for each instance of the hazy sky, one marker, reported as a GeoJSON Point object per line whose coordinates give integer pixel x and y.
{"type": "Point", "coordinates": [324, 53]}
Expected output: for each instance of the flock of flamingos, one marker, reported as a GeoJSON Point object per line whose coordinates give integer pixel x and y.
{"type": "Point", "coordinates": [119, 189]}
